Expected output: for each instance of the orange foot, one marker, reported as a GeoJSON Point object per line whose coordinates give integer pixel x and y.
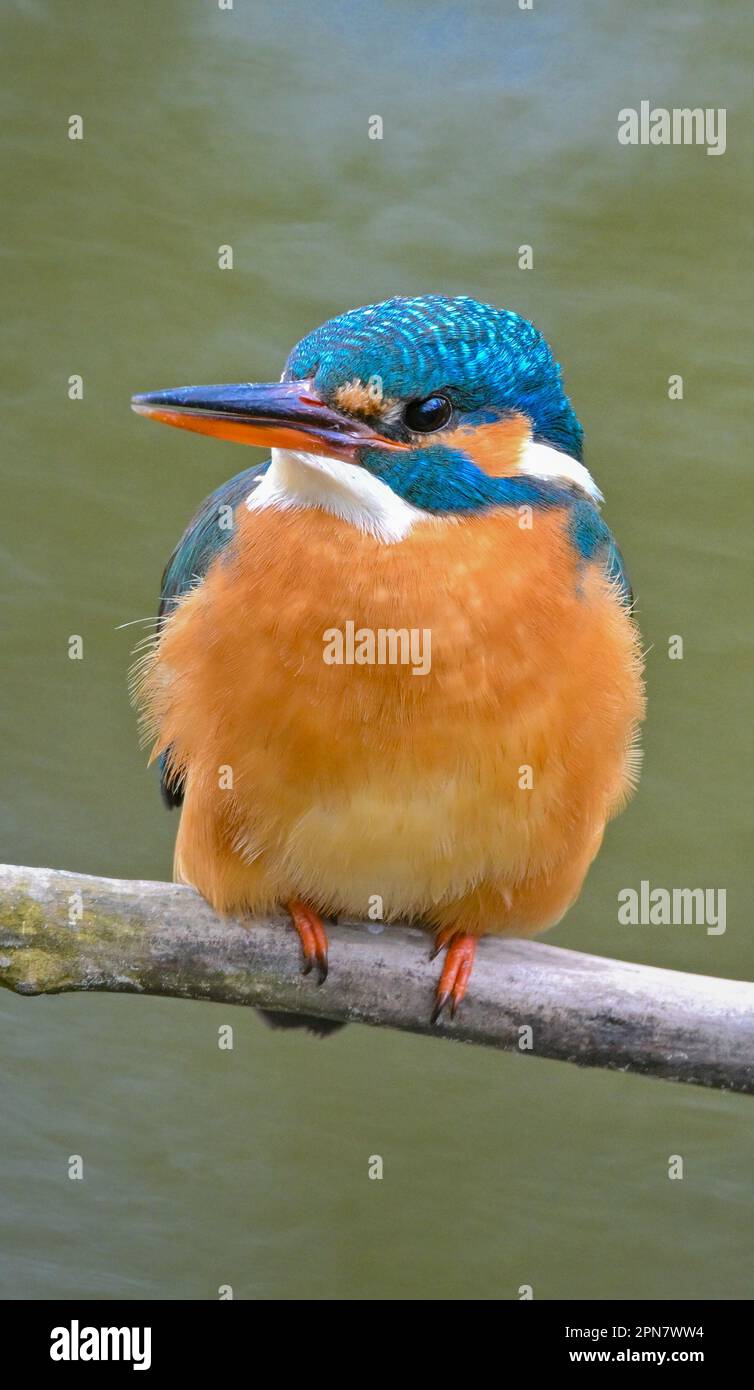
{"type": "Point", "coordinates": [456, 970]}
{"type": "Point", "coordinates": [312, 936]}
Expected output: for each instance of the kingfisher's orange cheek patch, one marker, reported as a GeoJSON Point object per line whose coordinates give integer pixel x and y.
{"type": "Point", "coordinates": [494, 448]}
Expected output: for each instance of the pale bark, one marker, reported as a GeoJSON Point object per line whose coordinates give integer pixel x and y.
{"type": "Point", "coordinates": [163, 939]}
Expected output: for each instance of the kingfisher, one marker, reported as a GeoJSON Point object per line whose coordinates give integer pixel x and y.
{"type": "Point", "coordinates": [425, 478]}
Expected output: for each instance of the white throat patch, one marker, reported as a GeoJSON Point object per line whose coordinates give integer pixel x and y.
{"type": "Point", "coordinates": [345, 490]}
{"type": "Point", "coordinates": [542, 461]}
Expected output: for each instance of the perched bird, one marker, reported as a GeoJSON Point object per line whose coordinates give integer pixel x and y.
{"type": "Point", "coordinates": [396, 663]}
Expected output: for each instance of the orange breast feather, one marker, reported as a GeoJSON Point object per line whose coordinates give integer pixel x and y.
{"type": "Point", "coordinates": [475, 794]}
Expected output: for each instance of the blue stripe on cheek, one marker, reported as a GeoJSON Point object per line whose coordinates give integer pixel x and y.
{"type": "Point", "coordinates": [442, 480]}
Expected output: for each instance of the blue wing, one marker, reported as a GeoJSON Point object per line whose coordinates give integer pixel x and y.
{"type": "Point", "coordinates": [594, 540]}
{"type": "Point", "coordinates": [204, 538]}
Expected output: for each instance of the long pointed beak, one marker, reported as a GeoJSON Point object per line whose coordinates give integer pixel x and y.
{"type": "Point", "coordinates": [284, 415]}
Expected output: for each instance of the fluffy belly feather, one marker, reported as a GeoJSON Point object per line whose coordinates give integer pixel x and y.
{"type": "Point", "coordinates": [475, 793]}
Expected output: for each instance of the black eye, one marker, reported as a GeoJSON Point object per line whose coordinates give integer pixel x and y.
{"type": "Point", "coordinates": [427, 415]}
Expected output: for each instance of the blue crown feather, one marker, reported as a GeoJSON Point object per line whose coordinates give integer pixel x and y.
{"type": "Point", "coordinates": [490, 361]}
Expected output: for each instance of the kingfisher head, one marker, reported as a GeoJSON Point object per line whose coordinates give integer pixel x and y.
{"type": "Point", "coordinates": [429, 405]}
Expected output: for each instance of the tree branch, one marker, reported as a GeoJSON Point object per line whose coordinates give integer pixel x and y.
{"type": "Point", "coordinates": [63, 931]}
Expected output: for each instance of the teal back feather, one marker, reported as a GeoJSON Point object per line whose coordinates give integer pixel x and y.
{"type": "Point", "coordinates": [203, 540]}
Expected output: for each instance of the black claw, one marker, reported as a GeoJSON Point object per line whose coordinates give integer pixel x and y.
{"type": "Point", "coordinates": [323, 969]}
{"type": "Point", "coordinates": [306, 968]}
{"type": "Point", "coordinates": [440, 1003]}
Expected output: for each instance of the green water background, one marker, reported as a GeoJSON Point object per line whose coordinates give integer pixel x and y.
{"type": "Point", "coordinates": [250, 128]}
